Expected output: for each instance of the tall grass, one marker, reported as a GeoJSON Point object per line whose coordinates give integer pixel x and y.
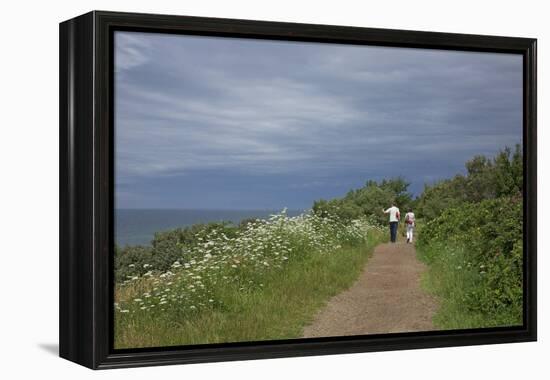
{"type": "Point", "coordinates": [265, 283]}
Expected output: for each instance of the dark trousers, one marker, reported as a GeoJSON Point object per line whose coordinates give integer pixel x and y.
{"type": "Point", "coordinates": [393, 231]}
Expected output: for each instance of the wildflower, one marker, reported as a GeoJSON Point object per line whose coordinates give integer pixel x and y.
{"type": "Point", "coordinates": [125, 311]}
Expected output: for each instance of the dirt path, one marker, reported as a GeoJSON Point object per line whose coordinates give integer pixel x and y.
{"type": "Point", "coordinates": [386, 298]}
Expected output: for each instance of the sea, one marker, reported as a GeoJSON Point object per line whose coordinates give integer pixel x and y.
{"type": "Point", "coordinates": [138, 226]}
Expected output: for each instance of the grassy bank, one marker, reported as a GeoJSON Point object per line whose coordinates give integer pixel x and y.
{"type": "Point", "coordinates": [474, 254]}
{"type": "Point", "coordinates": [268, 289]}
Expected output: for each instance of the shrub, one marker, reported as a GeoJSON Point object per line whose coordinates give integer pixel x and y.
{"type": "Point", "coordinates": [367, 202]}
{"type": "Point", "coordinates": [166, 247]}
{"type": "Point", "coordinates": [501, 176]}
{"type": "Point", "coordinates": [481, 245]}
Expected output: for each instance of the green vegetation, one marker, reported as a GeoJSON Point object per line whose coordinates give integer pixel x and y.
{"type": "Point", "coordinates": [367, 201]}
{"type": "Point", "coordinates": [485, 179]}
{"type": "Point", "coordinates": [472, 241]}
{"type": "Point", "coordinates": [265, 279]}
{"type": "Point", "coordinates": [264, 282]}
{"type": "Point", "coordinates": [470, 235]}
{"type": "Point", "coordinates": [166, 248]}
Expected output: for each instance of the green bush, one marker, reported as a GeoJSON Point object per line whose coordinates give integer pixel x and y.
{"type": "Point", "coordinates": [166, 248]}
{"type": "Point", "coordinates": [501, 176]}
{"type": "Point", "coordinates": [475, 254]}
{"type": "Point", "coordinates": [367, 202]}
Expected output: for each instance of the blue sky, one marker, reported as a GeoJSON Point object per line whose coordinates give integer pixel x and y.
{"type": "Point", "coordinates": [217, 123]}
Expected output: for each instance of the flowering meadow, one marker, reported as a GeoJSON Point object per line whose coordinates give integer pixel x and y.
{"type": "Point", "coordinates": [264, 280]}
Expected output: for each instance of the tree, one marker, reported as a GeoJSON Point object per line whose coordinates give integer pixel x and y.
{"type": "Point", "coordinates": [486, 179]}
{"type": "Point", "coordinates": [367, 201]}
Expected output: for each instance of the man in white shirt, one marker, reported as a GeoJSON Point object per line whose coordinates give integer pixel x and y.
{"type": "Point", "coordinates": [394, 221]}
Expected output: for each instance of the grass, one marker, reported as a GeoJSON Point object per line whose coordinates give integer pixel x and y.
{"type": "Point", "coordinates": [453, 280]}
{"type": "Point", "coordinates": [286, 302]}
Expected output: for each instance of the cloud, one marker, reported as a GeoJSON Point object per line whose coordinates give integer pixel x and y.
{"type": "Point", "coordinates": [305, 113]}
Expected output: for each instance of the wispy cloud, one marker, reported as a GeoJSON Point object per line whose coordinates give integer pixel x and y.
{"type": "Point", "coordinates": [131, 51]}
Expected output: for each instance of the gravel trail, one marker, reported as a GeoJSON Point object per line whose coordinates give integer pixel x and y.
{"type": "Point", "coordinates": [386, 298]}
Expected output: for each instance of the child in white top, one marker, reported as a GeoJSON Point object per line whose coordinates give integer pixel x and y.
{"type": "Point", "coordinates": [410, 223]}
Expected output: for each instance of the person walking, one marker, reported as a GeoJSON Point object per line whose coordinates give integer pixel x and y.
{"type": "Point", "coordinates": [410, 223]}
{"type": "Point", "coordinates": [394, 221]}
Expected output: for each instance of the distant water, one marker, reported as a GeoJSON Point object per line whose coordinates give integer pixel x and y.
{"type": "Point", "coordinates": [138, 226]}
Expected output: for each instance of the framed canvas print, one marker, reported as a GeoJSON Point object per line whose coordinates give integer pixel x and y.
{"type": "Point", "coordinates": [234, 189]}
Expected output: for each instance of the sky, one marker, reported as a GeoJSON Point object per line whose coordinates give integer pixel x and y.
{"type": "Point", "coordinates": [227, 123]}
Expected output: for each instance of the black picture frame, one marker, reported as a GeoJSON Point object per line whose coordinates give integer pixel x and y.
{"type": "Point", "coordinates": [86, 188]}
